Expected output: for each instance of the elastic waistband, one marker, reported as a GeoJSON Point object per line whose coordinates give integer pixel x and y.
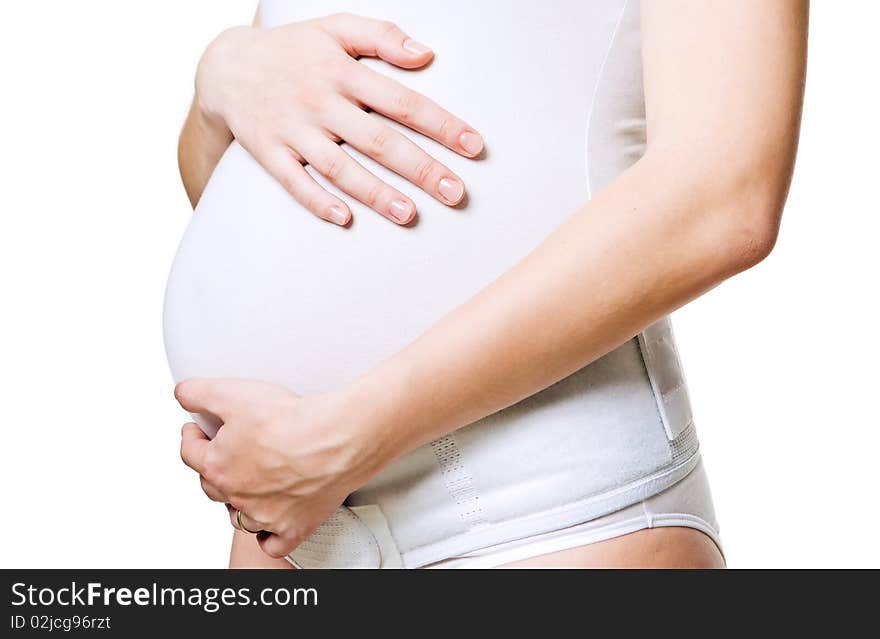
{"type": "Point", "coordinates": [360, 536]}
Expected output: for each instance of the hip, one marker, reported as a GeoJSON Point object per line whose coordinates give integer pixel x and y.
{"type": "Point", "coordinates": [590, 445]}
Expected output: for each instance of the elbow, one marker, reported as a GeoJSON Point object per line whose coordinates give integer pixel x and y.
{"type": "Point", "coordinates": [747, 229]}
{"type": "Point", "coordinates": [733, 214]}
{"type": "Point", "coordinates": [730, 197]}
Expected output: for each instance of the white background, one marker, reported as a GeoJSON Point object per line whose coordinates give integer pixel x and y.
{"type": "Point", "coordinates": [782, 360]}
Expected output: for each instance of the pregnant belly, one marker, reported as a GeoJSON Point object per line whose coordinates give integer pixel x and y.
{"type": "Point", "coordinates": [262, 289]}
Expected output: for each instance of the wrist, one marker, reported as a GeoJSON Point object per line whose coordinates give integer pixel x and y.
{"type": "Point", "coordinates": [371, 416]}
{"type": "Point", "coordinates": [208, 121]}
{"type": "Point", "coordinates": [213, 80]}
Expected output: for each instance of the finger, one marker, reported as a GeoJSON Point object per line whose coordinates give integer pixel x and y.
{"type": "Point", "coordinates": [248, 525]}
{"type": "Point", "coordinates": [285, 168]}
{"type": "Point", "coordinates": [200, 395]}
{"type": "Point", "coordinates": [193, 446]}
{"type": "Point", "coordinates": [392, 99]}
{"type": "Point", "coordinates": [371, 136]}
{"type": "Point", "coordinates": [217, 396]}
{"type": "Point", "coordinates": [328, 159]}
{"type": "Point", "coordinates": [276, 546]}
{"type": "Point", "coordinates": [213, 493]}
{"type": "Point", "coordinates": [377, 39]}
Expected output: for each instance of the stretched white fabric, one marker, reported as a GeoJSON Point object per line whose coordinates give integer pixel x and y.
{"type": "Point", "coordinates": [262, 289]}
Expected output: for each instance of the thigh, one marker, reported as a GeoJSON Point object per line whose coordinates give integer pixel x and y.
{"type": "Point", "coordinates": [246, 553]}
{"type": "Point", "coordinates": [669, 547]}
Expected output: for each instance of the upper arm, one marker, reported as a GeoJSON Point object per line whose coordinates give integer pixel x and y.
{"type": "Point", "coordinates": [724, 87]}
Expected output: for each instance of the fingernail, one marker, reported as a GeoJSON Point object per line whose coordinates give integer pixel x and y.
{"type": "Point", "coordinates": [337, 215]}
{"type": "Point", "coordinates": [415, 47]}
{"type": "Point", "coordinates": [471, 142]}
{"type": "Point", "coordinates": [451, 190]}
{"type": "Point", "coordinates": [401, 211]}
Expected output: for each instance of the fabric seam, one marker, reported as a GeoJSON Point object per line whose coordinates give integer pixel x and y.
{"type": "Point", "coordinates": [563, 516]}
{"type": "Point", "coordinates": [601, 76]}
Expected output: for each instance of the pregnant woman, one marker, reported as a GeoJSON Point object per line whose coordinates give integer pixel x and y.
{"type": "Point", "coordinates": [479, 371]}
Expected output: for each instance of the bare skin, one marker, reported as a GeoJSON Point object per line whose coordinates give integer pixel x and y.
{"type": "Point", "coordinates": [722, 137]}
{"type": "Point", "coordinates": [246, 553]}
{"type": "Point", "coordinates": [670, 547]}
{"type": "Point", "coordinates": [290, 93]}
{"type": "Point", "coordinates": [651, 548]}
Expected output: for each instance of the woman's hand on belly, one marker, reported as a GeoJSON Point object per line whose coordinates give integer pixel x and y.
{"type": "Point", "coordinates": [286, 462]}
{"type": "Point", "coordinates": [290, 93]}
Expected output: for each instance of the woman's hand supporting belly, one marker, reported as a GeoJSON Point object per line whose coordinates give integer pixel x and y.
{"type": "Point", "coordinates": [702, 204]}
{"type": "Point", "coordinates": [279, 458]}
{"type": "Point", "coordinates": [290, 93]}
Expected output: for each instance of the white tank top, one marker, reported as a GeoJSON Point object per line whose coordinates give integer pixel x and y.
{"type": "Point", "coordinates": [262, 289]}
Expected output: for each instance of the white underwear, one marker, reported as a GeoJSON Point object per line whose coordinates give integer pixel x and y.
{"type": "Point", "coordinates": [261, 289]}
{"type": "Point", "coordinates": [687, 504]}
{"type": "Point", "coordinates": [359, 536]}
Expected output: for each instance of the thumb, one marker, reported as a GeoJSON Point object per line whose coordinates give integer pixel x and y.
{"type": "Point", "coordinates": [377, 39]}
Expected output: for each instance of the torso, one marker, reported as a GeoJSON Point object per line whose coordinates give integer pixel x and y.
{"type": "Point", "coordinates": [262, 289]}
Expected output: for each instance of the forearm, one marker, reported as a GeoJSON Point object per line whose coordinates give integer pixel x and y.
{"type": "Point", "coordinates": [203, 141]}
{"type": "Point", "coordinates": [644, 247]}
{"type": "Point", "coordinates": [703, 204]}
